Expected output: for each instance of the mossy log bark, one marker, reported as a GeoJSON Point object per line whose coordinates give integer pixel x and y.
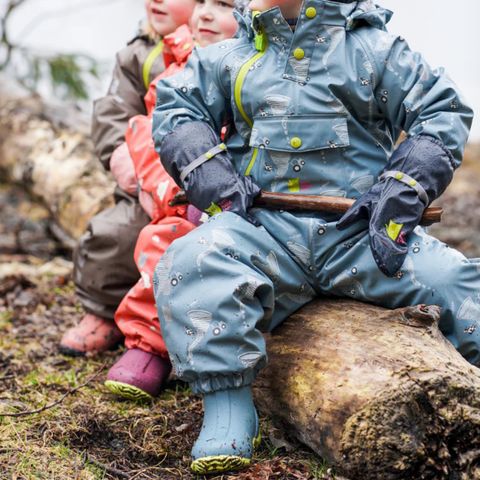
{"type": "Point", "coordinates": [47, 150]}
{"type": "Point", "coordinates": [379, 393]}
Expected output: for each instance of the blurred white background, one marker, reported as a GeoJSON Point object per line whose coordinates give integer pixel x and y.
{"type": "Point", "coordinates": [446, 32]}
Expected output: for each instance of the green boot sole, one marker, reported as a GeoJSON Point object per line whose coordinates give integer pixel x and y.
{"type": "Point", "coordinates": [130, 392]}
{"type": "Point", "coordinates": [223, 463]}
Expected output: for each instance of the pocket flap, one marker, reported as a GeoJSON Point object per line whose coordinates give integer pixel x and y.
{"type": "Point", "coordinates": [299, 133]}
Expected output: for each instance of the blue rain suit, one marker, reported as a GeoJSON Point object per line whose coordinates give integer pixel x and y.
{"type": "Point", "coordinates": [315, 111]}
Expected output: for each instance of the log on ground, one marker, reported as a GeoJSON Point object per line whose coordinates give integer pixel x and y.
{"type": "Point", "coordinates": [380, 394]}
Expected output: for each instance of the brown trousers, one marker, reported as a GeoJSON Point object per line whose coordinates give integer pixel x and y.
{"type": "Point", "coordinates": [104, 268]}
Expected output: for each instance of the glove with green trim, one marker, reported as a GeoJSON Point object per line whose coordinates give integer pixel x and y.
{"type": "Point", "coordinates": [199, 163]}
{"type": "Point", "coordinates": [418, 172]}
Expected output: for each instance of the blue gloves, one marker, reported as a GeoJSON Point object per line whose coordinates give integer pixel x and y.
{"type": "Point", "coordinates": [194, 157]}
{"type": "Point", "coordinates": [418, 172]}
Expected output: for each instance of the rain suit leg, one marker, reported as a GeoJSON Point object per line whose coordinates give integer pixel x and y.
{"type": "Point", "coordinates": [136, 316]}
{"type": "Point", "coordinates": [104, 266]}
{"type": "Point", "coordinates": [216, 290]}
{"type": "Point", "coordinates": [221, 285]}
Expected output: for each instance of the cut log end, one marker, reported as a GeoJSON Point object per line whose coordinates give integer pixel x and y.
{"type": "Point", "coordinates": [425, 430]}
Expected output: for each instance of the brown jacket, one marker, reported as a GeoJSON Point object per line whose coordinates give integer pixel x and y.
{"type": "Point", "coordinates": [136, 66]}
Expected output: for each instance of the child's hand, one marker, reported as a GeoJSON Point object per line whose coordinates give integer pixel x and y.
{"type": "Point", "coordinates": [393, 211]}
{"type": "Point", "coordinates": [417, 173]}
{"type": "Point", "coordinates": [194, 157]}
{"type": "Point", "coordinates": [121, 166]}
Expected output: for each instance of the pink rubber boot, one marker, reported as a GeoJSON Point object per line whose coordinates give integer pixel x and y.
{"type": "Point", "coordinates": [138, 375]}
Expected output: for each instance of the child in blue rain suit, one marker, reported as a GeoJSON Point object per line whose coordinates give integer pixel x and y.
{"type": "Point", "coordinates": [318, 99]}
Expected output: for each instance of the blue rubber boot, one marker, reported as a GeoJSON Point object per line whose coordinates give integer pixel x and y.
{"type": "Point", "coordinates": [229, 434]}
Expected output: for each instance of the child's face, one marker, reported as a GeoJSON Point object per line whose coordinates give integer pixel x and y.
{"type": "Point", "coordinates": [213, 21]}
{"type": "Point", "coordinates": [165, 16]}
{"type": "Point", "coordinates": [289, 8]}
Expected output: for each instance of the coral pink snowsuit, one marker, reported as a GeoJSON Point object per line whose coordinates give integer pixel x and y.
{"type": "Point", "coordinates": [136, 315]}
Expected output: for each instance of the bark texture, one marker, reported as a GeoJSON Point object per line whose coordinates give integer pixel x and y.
{"type": "Point", "coordinates": [47, 150]}
{"type": "Point", "coordinates": [379, 393]}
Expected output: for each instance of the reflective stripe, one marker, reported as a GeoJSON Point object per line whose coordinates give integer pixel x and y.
{"type": "Point", "coordinates": [147, 66]}
{"type": "Point", "coordinates": [407, 180]}
{"type": "Point", "coordinates": [202, 159]}
{"type": "Point", "coordinates": [251, 163]}
{"type": "Point", "coordinates": [242, 73]}
{"type": "Point", "coordinates": [213, 209]}
{"type": "Point", "coordinates": [393, 229]}
{"type": "Point", "coordinates": [294, 185]}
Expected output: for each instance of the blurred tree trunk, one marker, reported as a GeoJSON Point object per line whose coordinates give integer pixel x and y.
{"type": "Point", "coordinates": [47, 150]}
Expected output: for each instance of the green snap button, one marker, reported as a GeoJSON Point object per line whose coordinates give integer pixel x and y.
{"type": "Point", "coordinates": [399, 175]}
{"type": "Point", "coordinates": [296, 142]}
{"type": "Point", "coordinates": [311, 12]}
{"type": "Point", "coordinates": [298, 53]}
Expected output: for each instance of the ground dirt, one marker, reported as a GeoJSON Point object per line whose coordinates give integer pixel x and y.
{"type": "Point", "coordinates": [58, 421]}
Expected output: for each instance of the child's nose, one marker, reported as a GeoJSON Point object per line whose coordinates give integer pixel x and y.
{"type": "Point", "coordinates": [206, 13]}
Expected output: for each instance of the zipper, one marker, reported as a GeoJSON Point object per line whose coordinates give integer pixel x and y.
{"type": "Point", "coordinates": [147, 66]}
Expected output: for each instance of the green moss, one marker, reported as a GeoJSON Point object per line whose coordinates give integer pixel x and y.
{"type": "Point", "coordinates": [6, 320]}
{"type": "Point", "coordinates": [320, 470]}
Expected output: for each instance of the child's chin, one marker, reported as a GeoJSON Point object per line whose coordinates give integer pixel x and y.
{"type": "Point", "coordinates": [256, 5]}
{"type": "Point", "coordinates": [205, 40]}
{"type": "Point", "coordinates": [162, 28]}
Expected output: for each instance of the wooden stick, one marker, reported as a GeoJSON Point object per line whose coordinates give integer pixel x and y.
{"type": "Point", "coordinates": [316, 203]}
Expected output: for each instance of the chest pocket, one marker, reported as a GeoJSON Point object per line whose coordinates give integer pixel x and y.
{"type": "Point", "coordinates": [300, 133]}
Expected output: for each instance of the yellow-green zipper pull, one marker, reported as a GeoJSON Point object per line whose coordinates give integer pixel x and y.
{"type": "Point", "coordinates": [260, 42]}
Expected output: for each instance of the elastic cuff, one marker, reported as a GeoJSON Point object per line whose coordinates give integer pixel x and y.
{"type": "Point", "coordinates": [453, 162]}
{"type": "Point", "coordinates": [224, 382]}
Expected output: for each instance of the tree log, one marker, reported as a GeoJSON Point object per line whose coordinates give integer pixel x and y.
{"type": "Point", "coordinates": [379, 393]}
{"type": "Point", "coordinates": [46, 148]}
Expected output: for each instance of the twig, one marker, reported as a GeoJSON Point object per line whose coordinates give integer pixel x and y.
{"type": "Point", "coordinates": [107, 468]}
{"type": "Point", "coordinates": [57, 402]}
{"type": "Point", "coordinates": [4, 39]}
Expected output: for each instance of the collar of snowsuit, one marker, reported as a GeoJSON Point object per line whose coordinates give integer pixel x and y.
{"type": "Point", "coordinates": [350, 15]}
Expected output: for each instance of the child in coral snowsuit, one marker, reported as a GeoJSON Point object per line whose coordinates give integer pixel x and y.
{"type": "Point", "coordinates": [104, 269]}
{"type": "Point", "coordinates": [318, 93]}
{"type": "Point", "coordinates": [140, 372]}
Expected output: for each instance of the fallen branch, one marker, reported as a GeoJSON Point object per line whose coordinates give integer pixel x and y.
{"type": "Point", "coordinates": [106, 468]}
{"type": "Point", "coordinates": [46, 150]}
